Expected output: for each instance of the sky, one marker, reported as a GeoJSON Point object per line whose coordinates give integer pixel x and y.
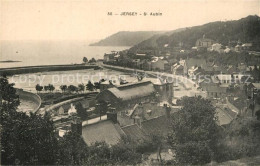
{"type": "Point", "coordinates": [89, 19]}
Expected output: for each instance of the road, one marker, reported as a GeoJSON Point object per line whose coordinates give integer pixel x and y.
{"type": "Point", "coordinates": [185, 87]}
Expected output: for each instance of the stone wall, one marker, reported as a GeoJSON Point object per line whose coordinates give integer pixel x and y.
{"type": "Point", "coordinates": [31, 97]}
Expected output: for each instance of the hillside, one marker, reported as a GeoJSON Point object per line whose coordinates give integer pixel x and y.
{"type": "Point", "coordinates": [246, 30]}
{"type": "Point", "coordinates": [125, 38]}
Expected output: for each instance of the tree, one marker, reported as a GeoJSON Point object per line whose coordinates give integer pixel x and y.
{"type": "Point", "coordinates": [82, 113]}
{"type": "Point", "coordinates": [90, 86]}
{"type": "Point", "coordinates": [97, 85]}
{"type": "Point", "coordinates": [194, 131]}
{"type": "Point", "coordinates": [63, 88]}
{"type": "Point", "coordinates": [51, 87]}
{"type": "Point", "coordinates": [85, 59]}
{"type": "Point", "coordinates": [92, 60]}
{"type": "Point", "coordinates": [46, 88]}
{"type": "Point", "coordinates": [81, 87]}
{"type": "Point", "coordinates": [72, 88]}
{"type": "Point", "coordinates": [25, 140]}
{"type": "Point", "coordinates": [8, 94]}
{"type": "Point", "coordinates": [38, 88]}
{"type": "Point", "coordinates": [72, 150]}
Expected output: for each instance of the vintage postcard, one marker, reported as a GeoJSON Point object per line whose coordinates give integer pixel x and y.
{"type": "Point", "coordinates": [130, 82]}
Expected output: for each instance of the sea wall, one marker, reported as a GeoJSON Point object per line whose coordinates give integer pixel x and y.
{"type": "Point", "coordinates": [30, 97]}
{"type": "Point", "coordinates": [35, 69]}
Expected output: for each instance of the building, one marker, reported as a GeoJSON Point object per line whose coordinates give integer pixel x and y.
{"type": "Point", "coordinates": [191, 63]}
{"type": "Point", "coordinates": [111, 57]}
{"type": "Point", "coordinates": [144, 129]}
{"type": "Point", "coordinates": [177, 69]}
{"type": "Point", "coordinates": [104, 130]}
{"type": "Point", "coordinates": [229, 78]}
{"type": "Point", "coordinates": [123, 95]}
{"type": "Point", "coordinates": [215, 91]}
{"type": "Point", "coordinates": [204, 43]}
{"type": "Point", "coordinates": [253, 88]}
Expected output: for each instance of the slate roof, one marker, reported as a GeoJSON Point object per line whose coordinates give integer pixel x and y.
{"type": "Point", "coordinates": [134, 132]}
{"type": "Point", "coordinates": [159, 125]}
{"type": "Point", "coordinates": [102, 131]}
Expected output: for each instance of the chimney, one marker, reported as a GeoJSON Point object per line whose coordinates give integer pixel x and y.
{"type": "Point", "coordinates": [112, 115]}
{"type": "Point", "coordinates": [76, 125]}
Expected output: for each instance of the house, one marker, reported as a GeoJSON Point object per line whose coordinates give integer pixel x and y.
{"type": "Point", "coordinates": [192, 62]}
{"type": "Point", "coordinates": [144, 129]}
{"type": "Point", "coordinates": [109, 57]}
{"type": "Point", "coordinates": [177, 69]}
{"type": "Point", "coordinates": [107, 130]}
{"type": "Point", "coordinates": [204, 43]}
{"type": "Point", "coordinates": [215, 91]}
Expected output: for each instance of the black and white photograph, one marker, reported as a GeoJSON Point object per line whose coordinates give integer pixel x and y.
{"type": "Point", "coordinates": [130, 82]}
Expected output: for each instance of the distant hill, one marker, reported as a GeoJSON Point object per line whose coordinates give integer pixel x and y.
{"type": "Point", "coordinates": [126, 38]}
{"type": "Point", "coordinates": [246, 30]}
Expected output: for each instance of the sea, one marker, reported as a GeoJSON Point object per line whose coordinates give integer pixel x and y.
{"type": "Point", "coordinates": [33, 53]}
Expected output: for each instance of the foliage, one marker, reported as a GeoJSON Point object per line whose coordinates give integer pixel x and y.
{"type": "Point", "coordinates": [92, 60]}
{"type": "Point", "coordinates": [72, 150]}
{"type": "Point", "coordinates": [63, 88]}
{"type": "Point", "coordinates": [85, 59]}
{"type": "Point", "coordinates": [49, 87]}
{"type": "Point", "coordinates": [82, 113]}
{"type": "Point", "coordinates": [38, 88]}
{"type": "Point", "coordinates": [245, 29]}
{"type": "Point", "coordinates": [81, 87]}
{"type": "Point", "coordinates": [194, 131]}
{"type": "Point", "coordinates": [90, 86]}
{"type": "Point", "coordinates": [97, 85]}
{"type": "Point", "coordinates": [72, 88]}
{"type": "Point", "coordinates": [8, 94]}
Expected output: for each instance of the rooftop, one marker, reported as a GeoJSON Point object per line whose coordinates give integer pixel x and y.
{"type": "Point", "coordinates": [104, 130]}
{"type": "Point", "coordinates": [132, 90]}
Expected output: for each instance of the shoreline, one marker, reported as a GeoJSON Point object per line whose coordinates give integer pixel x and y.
{"type": "Point", "coordinates": [45, 68]}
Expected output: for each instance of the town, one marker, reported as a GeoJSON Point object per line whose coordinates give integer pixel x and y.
{"type": "Point", "coordinates": [185, 97]}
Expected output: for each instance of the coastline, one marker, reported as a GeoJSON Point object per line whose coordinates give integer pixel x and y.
{"type": "Point", "coordinates": [45, 68]}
